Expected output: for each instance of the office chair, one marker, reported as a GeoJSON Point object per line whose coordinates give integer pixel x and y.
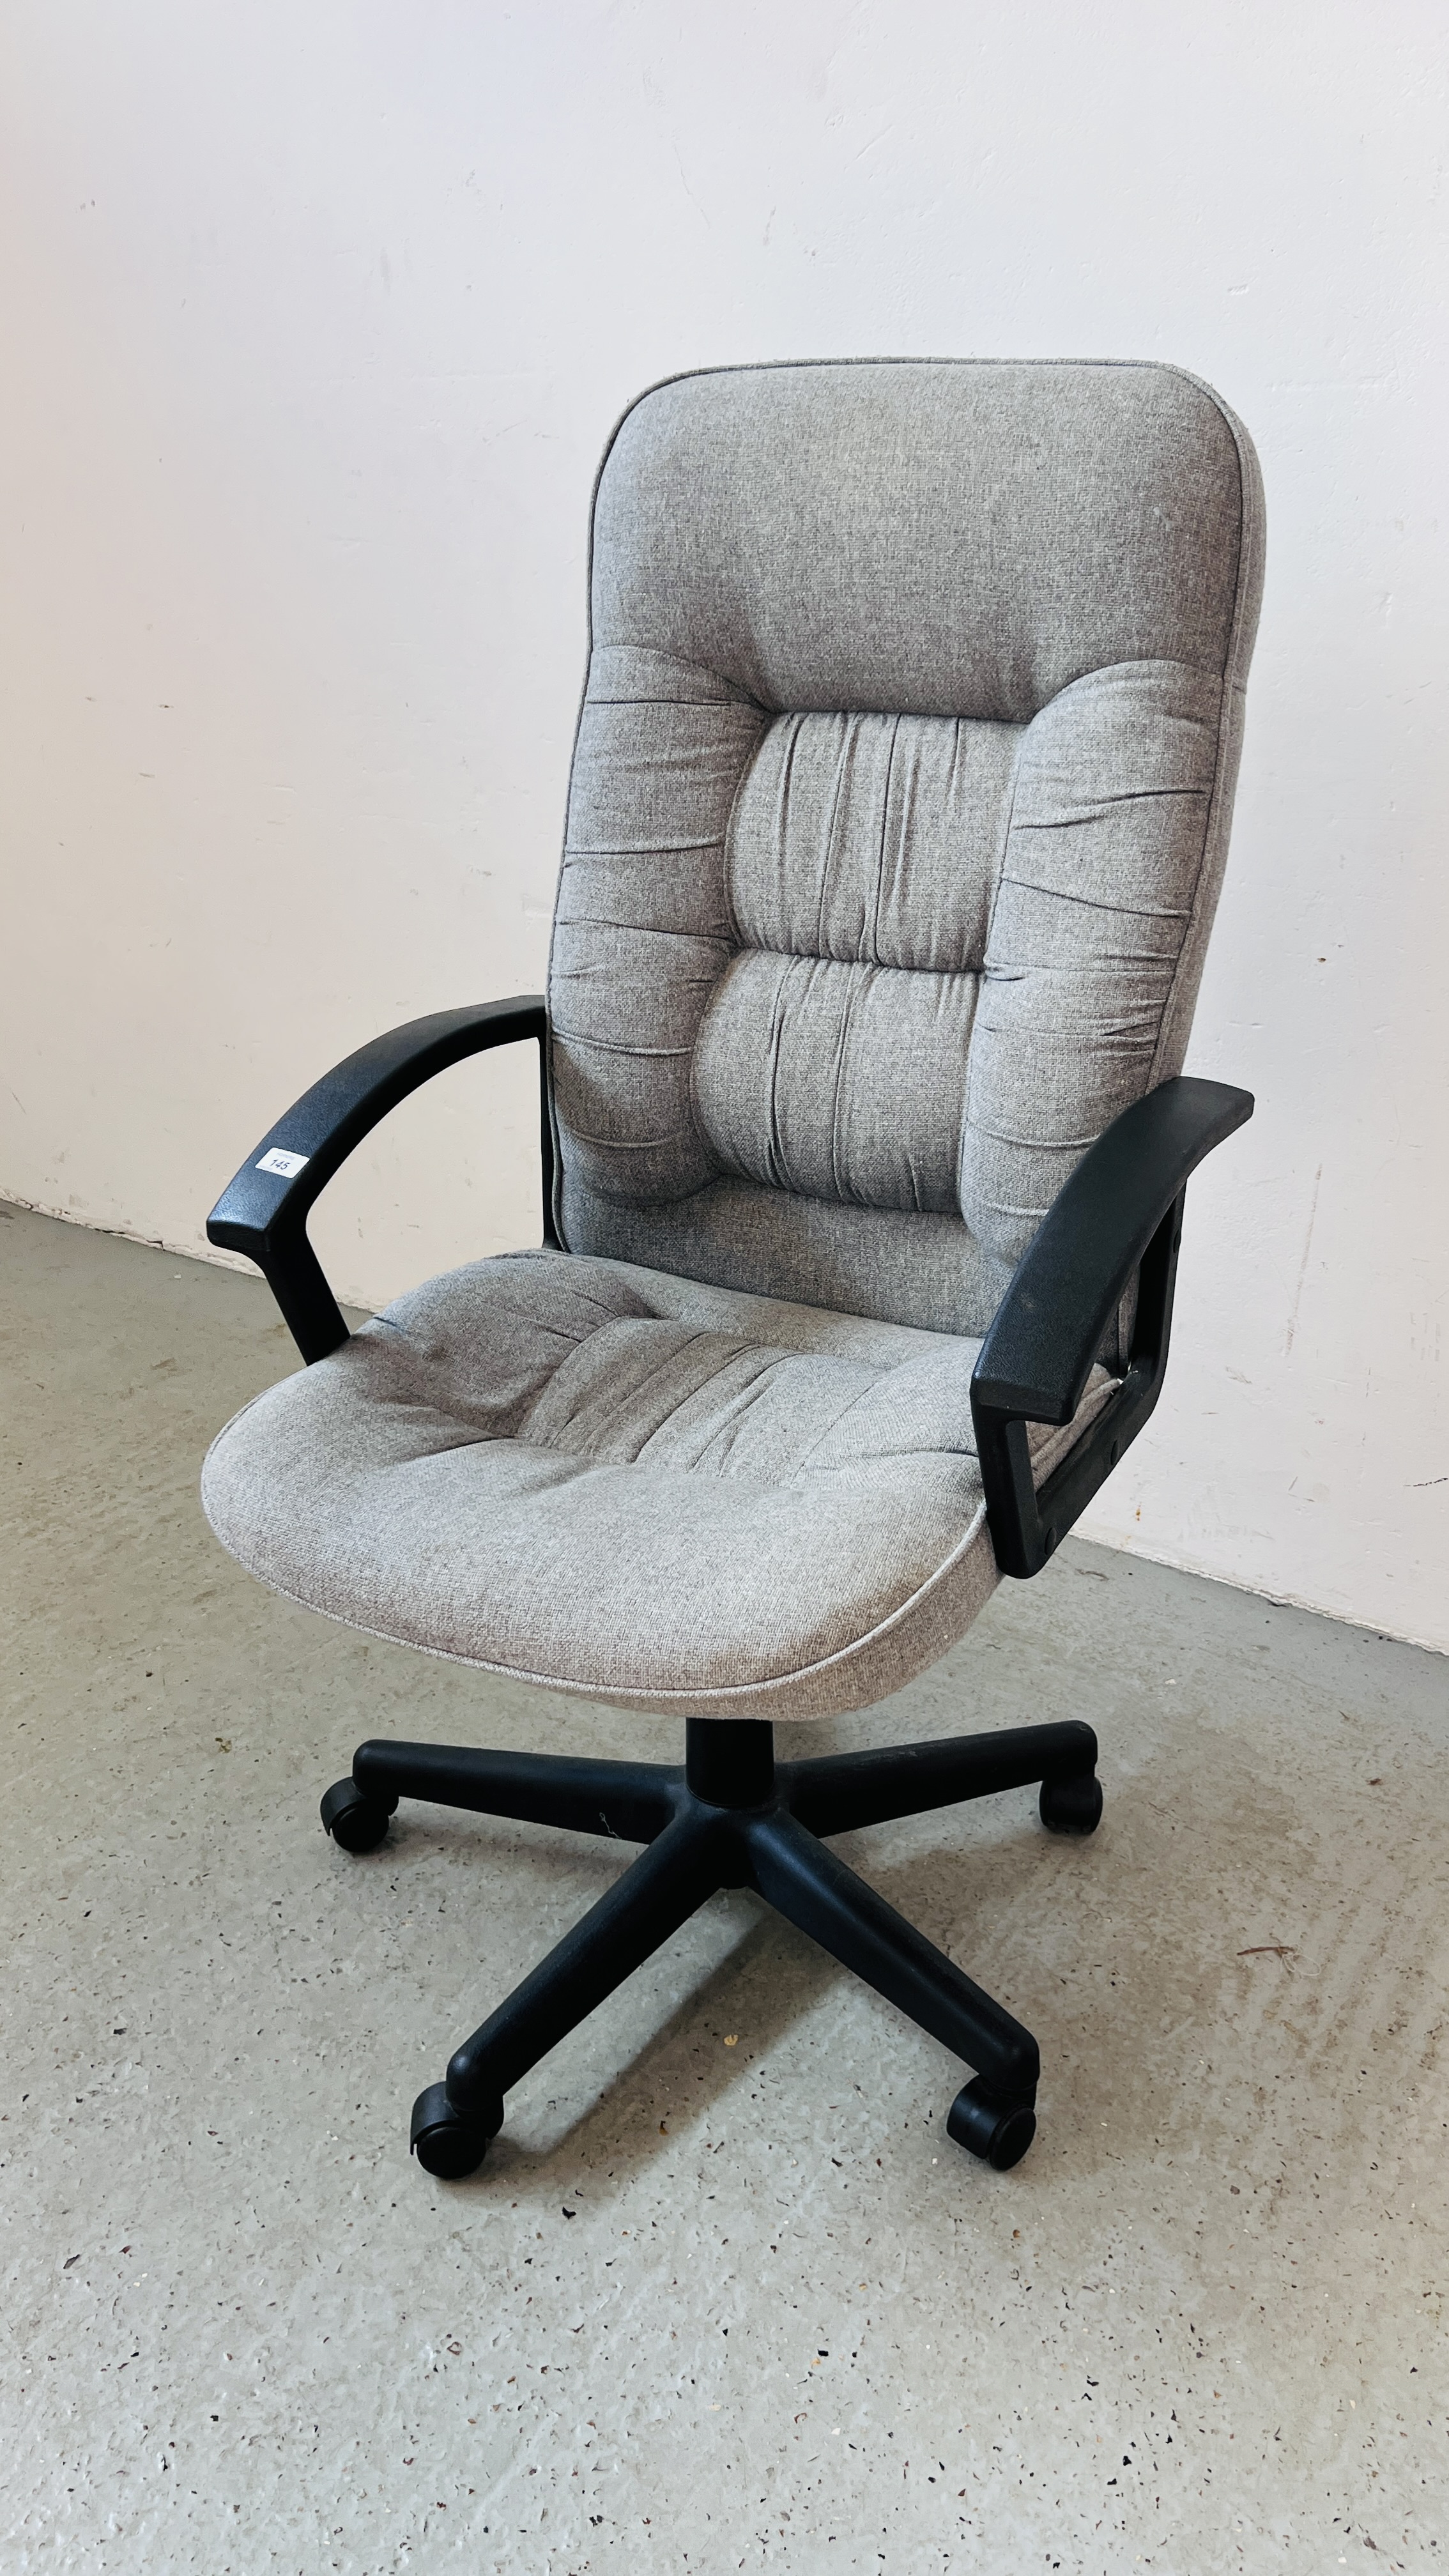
{"type": "Point", "coordinates": [896, 823]}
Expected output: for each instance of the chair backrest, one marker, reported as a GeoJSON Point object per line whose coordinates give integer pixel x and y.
{"type": "Point", "coordinates": [898, 812]}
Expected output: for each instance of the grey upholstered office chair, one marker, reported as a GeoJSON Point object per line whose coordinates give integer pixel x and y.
{"type": "Point", "coordinates": [897, 820]}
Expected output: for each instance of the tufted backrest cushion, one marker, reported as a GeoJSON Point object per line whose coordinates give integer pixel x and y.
{"type": "Point", "coordinates": [898, 812]}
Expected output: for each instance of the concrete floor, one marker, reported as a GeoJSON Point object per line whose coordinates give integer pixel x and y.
{"type": "Point", "coordinates": [1201, 2328]}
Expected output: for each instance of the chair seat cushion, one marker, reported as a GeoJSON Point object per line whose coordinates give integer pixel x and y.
{"type": "Point", "coordinates": [621, 1483]}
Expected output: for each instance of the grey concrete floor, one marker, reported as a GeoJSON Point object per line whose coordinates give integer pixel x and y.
{"type": "Point", "coordinates": [723, 2296]}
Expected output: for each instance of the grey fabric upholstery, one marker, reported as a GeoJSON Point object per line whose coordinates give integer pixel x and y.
{"type": "Point", "coordinates": [898, 812]}
{"type": "Point", "coordinates": [629, 1485]}
{"type": "Point", "coordinates": [896, 824]}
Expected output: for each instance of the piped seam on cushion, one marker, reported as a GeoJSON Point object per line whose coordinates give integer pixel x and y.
{"type": "Point", "coordinates": [643, 1691]}
{"type": "Point", "coordinates": [772, 1684]}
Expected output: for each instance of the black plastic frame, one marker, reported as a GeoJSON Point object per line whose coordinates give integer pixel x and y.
{"type": "Point", "coordinates": [264, 1214]}
{"type": "Point", "coordinates": [1118, 1219]}
{"type": "Point", "coordinates": [729, 1817]}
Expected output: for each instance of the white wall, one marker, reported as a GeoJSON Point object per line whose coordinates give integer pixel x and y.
{"type": "Point", "coordinates": [316, 321]}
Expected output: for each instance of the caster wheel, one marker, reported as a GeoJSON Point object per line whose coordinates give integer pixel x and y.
{"type": "Point", "coordinates": [1072, 1806]}
{"type": "Point", "coordinates": [357, 1823]}
{"type": "Point", "coordinates": [990, 2126]}
{"type": "Point", "coordinates": [446, 2145]}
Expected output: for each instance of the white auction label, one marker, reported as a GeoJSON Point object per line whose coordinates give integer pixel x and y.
{"type": "Point", "coordinates": [288, 1165]}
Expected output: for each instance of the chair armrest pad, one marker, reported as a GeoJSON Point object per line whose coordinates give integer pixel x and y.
{"type": "Point", "coordinates": [1117, 1219]}
{"type": "Point", "coordinates": [1050, 1326]}
{"type": "Point", "coordinates": [263, 1210]}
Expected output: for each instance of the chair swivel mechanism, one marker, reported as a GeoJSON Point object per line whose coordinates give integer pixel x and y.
{"type": "Point", "coordinates": [897, 817]}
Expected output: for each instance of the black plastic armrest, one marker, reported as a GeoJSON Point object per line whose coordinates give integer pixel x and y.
{"type": "Point", "coordinates": [1120, 1214]}
{"type": "Point", "coordinates": [263, 1212]}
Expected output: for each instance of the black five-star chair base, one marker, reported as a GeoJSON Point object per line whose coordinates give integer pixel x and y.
{"type": "Point", "coordinates": [731, 1817]}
